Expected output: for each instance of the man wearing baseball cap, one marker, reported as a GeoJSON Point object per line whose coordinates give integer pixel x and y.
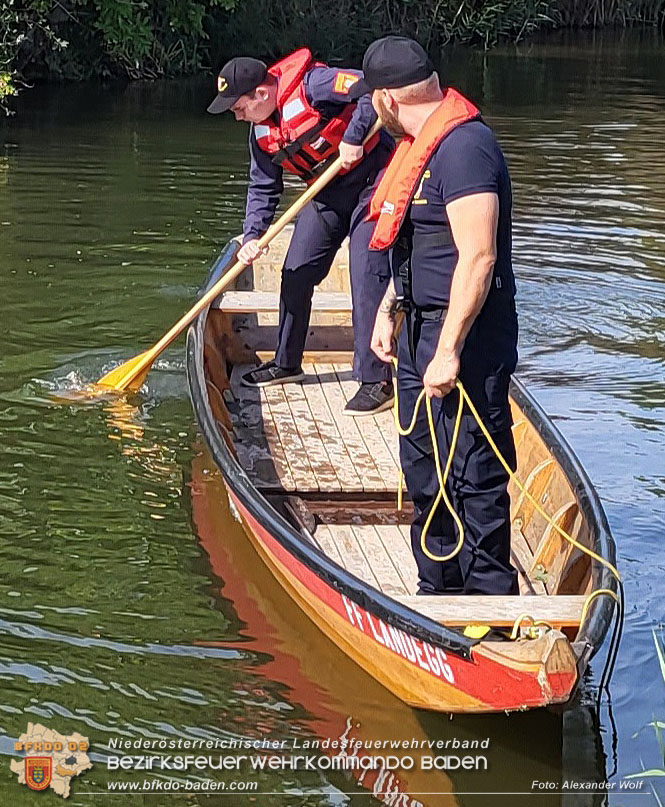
{"type": "Point", "coordinates": [301, 116]}
{"type": "Point", "coordinates": [443, 208]}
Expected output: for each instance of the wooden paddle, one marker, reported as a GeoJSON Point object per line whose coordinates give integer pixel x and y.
{"type": "Point", "coordinates": [131, 374]}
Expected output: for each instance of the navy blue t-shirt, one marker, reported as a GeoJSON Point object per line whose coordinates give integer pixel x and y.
{"type": "Point", "coordinates": [467, 161]}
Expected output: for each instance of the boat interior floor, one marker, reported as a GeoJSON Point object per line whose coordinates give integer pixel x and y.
{"type": "Point", "coordinates": [335, 478]}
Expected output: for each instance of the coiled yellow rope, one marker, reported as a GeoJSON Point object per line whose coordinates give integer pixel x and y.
{"type": "Point", "coordinates": [443, 477]}
{"type": "Point", "coordinates": [442, 494]}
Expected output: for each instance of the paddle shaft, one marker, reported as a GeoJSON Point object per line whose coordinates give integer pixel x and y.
{"type": "Point", "coordinates": [238, 267]}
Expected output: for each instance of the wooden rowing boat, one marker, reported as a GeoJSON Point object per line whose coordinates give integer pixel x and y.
{"type": "Point", "coordinates": [316, 493]}
{"type": "Point", "coordinates": [332, 698]}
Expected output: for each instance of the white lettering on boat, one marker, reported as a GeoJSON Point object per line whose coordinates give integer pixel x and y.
{"type": "Point", "coordinates": [417, 652]}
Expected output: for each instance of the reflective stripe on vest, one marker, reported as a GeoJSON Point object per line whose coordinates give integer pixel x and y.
{"type": "Point", "coordinates": [395, 191]}
{"type": "Point", "coordinates": [261, 131]}
{"type": "Point", "coordinates": [293, 108]}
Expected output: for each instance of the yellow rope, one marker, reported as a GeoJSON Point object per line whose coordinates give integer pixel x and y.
{"type": "Point", "coordinates": [534, 622]}
{"type": "Point", "coordinates": [528, 495]}
{"type": "Point", "coordinates": [587, 603]}
{"type": "Point", "coordinates": [443, 478]}
{"type": "Point", "coordinates": [591, 596]}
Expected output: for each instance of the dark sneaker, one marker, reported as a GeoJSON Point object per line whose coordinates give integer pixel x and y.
{"type": "Point", "coordinates": [370, 399]}
{"type": "Point", "coordinates": [268, 374]}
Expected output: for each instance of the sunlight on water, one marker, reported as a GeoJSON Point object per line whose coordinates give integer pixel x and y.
{"type": "Point", "coordinates": [130, 603]}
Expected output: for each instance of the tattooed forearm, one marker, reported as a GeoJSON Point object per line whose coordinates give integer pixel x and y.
{"type": "Point", "coordinates": [389, 302]}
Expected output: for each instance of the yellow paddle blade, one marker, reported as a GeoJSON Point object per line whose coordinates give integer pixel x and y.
{"type": "Point", "coordinates": [129, 376]}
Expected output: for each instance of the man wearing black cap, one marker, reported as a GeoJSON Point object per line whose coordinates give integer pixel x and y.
{"type": "Point", "coordinates": [443, 209]}
{"type": "Point", "coordinates": [301, 116]}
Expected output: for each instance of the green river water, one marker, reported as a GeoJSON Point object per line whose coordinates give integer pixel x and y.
{"type": "Point", "coordinates": [130, 604]}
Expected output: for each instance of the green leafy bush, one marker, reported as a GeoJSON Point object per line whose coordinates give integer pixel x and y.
{"type": "Point", "coordinates": [77, 39]}
{"type": "Point", "coordinates": [137, 39]}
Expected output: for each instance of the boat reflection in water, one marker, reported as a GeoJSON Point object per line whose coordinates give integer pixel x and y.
{"type": "Point", "coordinates": [341, 700]}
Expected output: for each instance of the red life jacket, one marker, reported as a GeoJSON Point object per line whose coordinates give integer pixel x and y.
{"type": "Point", "coordinates": [393, 196]}
{"type": "Point", "coordinates": [303, 139]}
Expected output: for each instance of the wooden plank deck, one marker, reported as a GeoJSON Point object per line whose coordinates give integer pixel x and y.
{"type": "Point", "coordinates": [372, 430]}
{"type": "Point", "coordinates": [296, 437]}
{"type": "Point", "coordinates": [352, 554]}
{"type": "Point", "coordinates": [399, 551]}
{"type": "Point", "coordinates": [334, 446]}
{"type": "Point", "coordinates": [257, 442]}
{"type": "Point", "coordinates": [349, 431]}
{"type": "Point", "coordinates": [315, 446]}
{"type": "Point", "coordinates": [307, 424]}
{"type": "Point", "coordinates": [296, 452]}
{"type": "Point", "coordinates": [388, 577]}
{"type": "Point", "coordinates": [379, 555]}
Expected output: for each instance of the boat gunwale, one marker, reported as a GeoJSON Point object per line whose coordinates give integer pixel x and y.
{"type": "Point", "coordinates": [597, 621]}
{"type": "Point", "coordinates": [594, 628]}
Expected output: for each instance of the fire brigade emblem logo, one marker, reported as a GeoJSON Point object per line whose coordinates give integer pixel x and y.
{"type": "Point", "coordinates": [65, 756]}
{"type": "Point", "coordinates": [38, 772]}
{"type": "Point", "coordinates": [222, 84]}
{"type": "Point", "coordinates": [344, 82]}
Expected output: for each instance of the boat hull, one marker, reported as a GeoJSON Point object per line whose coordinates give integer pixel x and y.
{"type": "Point", "coordinates": [418, 672]}
{"type": "Point", "coordinates": [423, 662]}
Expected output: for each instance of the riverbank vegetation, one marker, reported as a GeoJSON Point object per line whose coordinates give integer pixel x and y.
{"type": "Point", "coordinates": [136, 39]}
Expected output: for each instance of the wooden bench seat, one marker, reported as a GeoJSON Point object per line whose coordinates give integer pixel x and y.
{"type": "Point", "coordinates": [557, 610]}
{"type": "Point", "coordinates": [254, 302]}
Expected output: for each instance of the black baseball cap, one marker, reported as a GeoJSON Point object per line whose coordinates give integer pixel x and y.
{"type": "Point", "coordinates": [238, 77]}
{"type": "Point", "coordinates": [390, 63]}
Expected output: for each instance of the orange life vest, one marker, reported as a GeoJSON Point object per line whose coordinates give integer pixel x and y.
{"type": "Point", "coordinates": [394, 193]}
{"type": "Point", "coordinates": [303, 139]}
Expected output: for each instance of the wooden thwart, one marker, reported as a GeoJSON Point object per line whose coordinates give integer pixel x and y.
{"type": "Point", "coordinates": [252, 302]}
{"type": "Point", "coordinates": [557, 610]}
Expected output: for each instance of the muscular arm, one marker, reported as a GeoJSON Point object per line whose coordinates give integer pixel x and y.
{"type": "Point", "coordinates": [473, 223]}
{"type": "Point", "coordinates": [387, 305]}
{"type": "Point", "coordinates": [383, 333]}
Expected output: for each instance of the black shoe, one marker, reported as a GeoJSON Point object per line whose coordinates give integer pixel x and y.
{"type": "Point", "coordinates": [268, 374]}
{"type": "Point", "coordinates": [370, 399]}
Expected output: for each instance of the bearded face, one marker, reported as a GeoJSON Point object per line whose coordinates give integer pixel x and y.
{"type": "Point", "coordinates": [386, 116]}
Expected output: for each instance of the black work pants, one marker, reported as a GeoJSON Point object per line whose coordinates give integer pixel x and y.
{"type": "Point", "coordinates": [338, 211]}
{"type": "Point", "coordinates": [477, 484]}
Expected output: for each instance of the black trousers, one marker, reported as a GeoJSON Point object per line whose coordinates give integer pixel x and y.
{"type": "Point", "coordinates": [477, 484]}
{"type": "Point", "coordinates": [338, 211]}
